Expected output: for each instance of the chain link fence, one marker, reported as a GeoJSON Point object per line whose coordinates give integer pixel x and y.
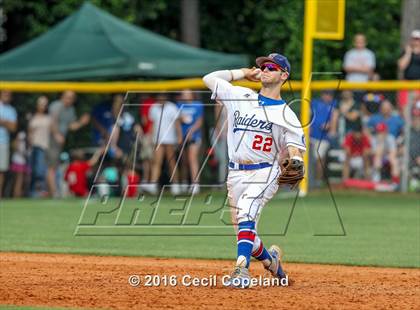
{"type": "Point", "coordinates": [367, 140]}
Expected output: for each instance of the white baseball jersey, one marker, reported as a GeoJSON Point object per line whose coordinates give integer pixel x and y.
{"type": "Point", "coordinates": [257, 133]}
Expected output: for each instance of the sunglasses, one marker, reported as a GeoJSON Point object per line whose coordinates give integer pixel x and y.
{"type": "Point", "coordinates": [271, 67]}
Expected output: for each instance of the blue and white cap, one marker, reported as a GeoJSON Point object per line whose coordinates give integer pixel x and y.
{"type": "Point", "coordinates": [275, 58]}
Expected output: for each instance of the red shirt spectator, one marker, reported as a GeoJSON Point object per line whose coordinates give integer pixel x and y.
{"type": "Point", "coordinates": [356, 143]}
{"type": "Point", "coordinates": [145, 106]}
{"type": "Point", "coordinates": [76, 173]}
{"type": "Point", "coordinates": [76, 177]}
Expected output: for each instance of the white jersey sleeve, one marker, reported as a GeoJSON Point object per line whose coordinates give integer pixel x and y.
{"type": "Point", "coordinates": [291, 138]}
{"type": "Point", "coordinates": [284, 137]}
{"type": "Point", "coordinates": [285, 117]}
{"type": "Point", "coordinates": [222, 90]}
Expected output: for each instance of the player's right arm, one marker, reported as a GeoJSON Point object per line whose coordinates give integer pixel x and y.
{"type": "Point", "coordinates": [212, 79]}
{"type": "Point", "coordinates": [219, 81]}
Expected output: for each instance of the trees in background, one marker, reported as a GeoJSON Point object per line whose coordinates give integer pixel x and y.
{"type": "Point", "coordinates": [241, 26]}
{"type": "Point", "coordinates": [410, 19]}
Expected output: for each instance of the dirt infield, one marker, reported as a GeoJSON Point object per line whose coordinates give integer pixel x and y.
{"type": "Point", "coordinates": [102, 282]}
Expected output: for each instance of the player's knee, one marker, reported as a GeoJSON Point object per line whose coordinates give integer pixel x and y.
{"type": "Point", "coordinates": [248, 210]}
{"type": "Point", "coordinates": [246, 217]}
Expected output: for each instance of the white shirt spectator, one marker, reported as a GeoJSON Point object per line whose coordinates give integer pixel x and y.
{"type": "Point", "coordinates": [164, 122]}
{"type": "Point", "coordinates": [40, 127]}
{"type": "Point", "coordinates": [357, 57]}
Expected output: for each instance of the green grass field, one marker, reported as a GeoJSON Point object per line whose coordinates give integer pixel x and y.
{"type": "Point", "coordinates": [379, 229]}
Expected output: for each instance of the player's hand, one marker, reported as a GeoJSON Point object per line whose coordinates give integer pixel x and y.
{"type": "Point", "coordinates": [408, 49]}
{"type": "Point", "coordinates": [253, 74]}
{"type": "Point", "coordinates": [292, 172]}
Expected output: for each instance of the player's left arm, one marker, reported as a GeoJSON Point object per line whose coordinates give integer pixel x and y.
{"type": "Point", "coordinates": [295, 143]}
{"type": "Point", "coordinates": [295, 152]}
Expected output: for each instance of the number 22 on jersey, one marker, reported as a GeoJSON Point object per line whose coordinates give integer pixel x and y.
{"type": "Point", "coordinates": [260, 143]}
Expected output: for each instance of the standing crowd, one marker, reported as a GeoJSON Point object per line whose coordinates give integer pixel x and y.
{"type": "Point", "coordinates": [368, 125]}
{"type": "Point", "coordinates": [164, 135]}
{"type": "Point", "coordinates": [133, 143]}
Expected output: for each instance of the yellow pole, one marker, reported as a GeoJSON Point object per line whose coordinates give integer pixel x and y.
{"type": "Point", "coordinates": [310, 15]}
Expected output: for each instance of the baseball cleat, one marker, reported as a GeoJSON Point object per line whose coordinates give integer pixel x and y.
{"type": "Point", "coordinates": [239, 278]}
{"type": "Point", "coordinates": [275, 267]}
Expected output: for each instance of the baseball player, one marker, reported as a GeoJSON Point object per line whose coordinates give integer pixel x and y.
{"type": "Point", "coordinates": [265, 146]}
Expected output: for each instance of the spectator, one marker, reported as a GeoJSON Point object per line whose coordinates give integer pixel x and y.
{"type": "Point", "coordinates": [357, 147]}
{"type": "Point", "coordinates": [103, 119]}
{"type": "Point", "coordinates": [409, 66]}
{"type": "Point", "coordinates": [63, 119]}
{"type": "Point", "coordinates": [384, 151]}
{"type": "Point", "coordinates": [387, 115]}
{"type": "Point", "coordinates": [8, 124]}
{"type": "Point", "coordinates": [371, 101]}
{"type": "Point", "coordinates": [359, 62]}
{"type": "Point", "coordinates": [348, 115]}
{"type": "Point", "coordinates": [110, 177]}
{"type": "Point", "coordinates": [167, 133]}
{"type": "Point", "coordinates": [125, 130]}
{"type": "Point", "coordinates": [414, 166]}
{"type": "Point", "coordinates": [39, 139]}
{"type": "Point", "coordinates": [191, 122]}
{"type": "Point", "coordinates": [76, 174]}
{"type": "Point", "coordinates": [409, 62]}
{"type": "Point", "coordinates": [62, 186]}
{"type": "Point", "coordinates": [19, 166]}
{"type": "Point", "coordinates": [321, 127]}
{"type": "Point", "coordinates": [146, 153]}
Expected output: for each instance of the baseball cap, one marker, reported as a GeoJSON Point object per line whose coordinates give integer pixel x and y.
{"type": "Point", "coordinates": [277, 59]}
{"type": "Point", "coordinates": [415, 34]}
{"type": "Point", "coordinates": [381, 127]}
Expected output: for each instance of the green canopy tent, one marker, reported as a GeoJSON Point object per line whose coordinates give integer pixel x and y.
{"type": "Point", "coordinates": [92, 44]}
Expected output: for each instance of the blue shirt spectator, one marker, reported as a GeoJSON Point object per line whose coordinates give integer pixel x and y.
{"type": "Point", "coordinates": [322, 110]}
{"type": "Point", "coordinates": [127, 131]}
{"type": "Point", "coordinates": [8, 123]}
{"type": "Point", "coordinates": [191, 112]}
{"type": "Point", "coordinates": [393, 121]}
{"type": "Point", "coordinates": [103, 121]}
{"type": "Point", "coordinates": [8, 114]}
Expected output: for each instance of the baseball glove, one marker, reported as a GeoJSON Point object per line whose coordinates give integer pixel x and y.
{"type": "Point", "coordinates": [292, 172]}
